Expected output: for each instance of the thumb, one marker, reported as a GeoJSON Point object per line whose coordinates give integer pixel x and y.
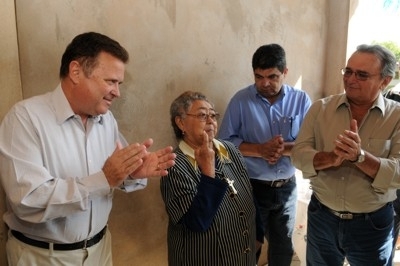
{"type": "Point", "coordinates": [353, 125]}
{"type": "Point", "coordinates": [205, 140]}
{"type": "Point", "coordinates": [148, 143]}
{"type": "Point", "coordinates": [119, 146]}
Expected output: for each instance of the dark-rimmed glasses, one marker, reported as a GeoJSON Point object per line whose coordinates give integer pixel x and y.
{"type": "Point", "coordinates": [204, 117]}
{"type": "Point", "coordinates": [360, 75]}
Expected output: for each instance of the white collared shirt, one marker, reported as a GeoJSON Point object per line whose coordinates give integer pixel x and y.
{"type": "Point", "coordinates": [51, 169]}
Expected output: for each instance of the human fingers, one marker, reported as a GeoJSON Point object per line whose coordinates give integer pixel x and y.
{"type": "Point", "coordinates": [148, 142]}
{"type": "Point", "coordinates": [352, 133]}
{"type": "Point", "coordinates": [204, 148]}
{"type": "Point", "coordinates": [278, 139]}
{"type": "Point", "coordinates": [205, 140]}
{"type": "Point", "coordinates": [346, 147]}
{"type": "Point", "coordinates": [272, 161]}
{"type": "Point", "coordinates": [133, 155]}
{"type": "Point", "coordinates": [166, 158]}
{"type": "Point", "coordinates": [123, 162]}
{"type": "Point", "coordinates": [205, 156]}
{"type": "Point", "coordinates": [353, 125]}
{"type": "Point", "coordinates": [337, 157]}
{"type": "Point", "coordinates": [115, 172]}
{"type": "Point", "coordinates": [132, 152]}
{"type": "Point", "coordinates": [118, 145]}
{"type": "Point", "coordinates": [155, 163]}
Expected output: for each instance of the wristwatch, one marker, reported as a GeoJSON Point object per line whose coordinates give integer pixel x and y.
{"type": "Point", "coordinates": [360, 158]}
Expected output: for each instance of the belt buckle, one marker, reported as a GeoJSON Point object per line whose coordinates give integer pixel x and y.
{"type": "Point", "coordinates": [85, 242]}
{"type": "Point", "coordinates": [277, 183]}
{"type": "Point", "coordinates": [346, 216]}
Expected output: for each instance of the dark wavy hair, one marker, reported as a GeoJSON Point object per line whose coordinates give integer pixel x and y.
{"type": "Point", "coordinates": [269, 56]}
{"type": "Point", "coordinates": [85, 49]}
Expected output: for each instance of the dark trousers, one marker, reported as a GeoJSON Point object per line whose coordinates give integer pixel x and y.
{"type": "Point", "coordinates": [277, 207]}
{"type": "Point", "coordinates": [396, 227]}
{"type": "Point", "coordinates": [364, 240]}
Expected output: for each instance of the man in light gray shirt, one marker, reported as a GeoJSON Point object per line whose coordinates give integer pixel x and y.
{"type": "Point", "coordinates": [61, 157]}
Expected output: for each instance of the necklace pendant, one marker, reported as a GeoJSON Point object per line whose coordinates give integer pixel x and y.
{"type": "Point", "coordinates": [230, 184]}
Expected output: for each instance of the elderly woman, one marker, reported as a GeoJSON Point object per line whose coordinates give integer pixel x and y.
{"type": "Point", "coordinates": [207, 194]}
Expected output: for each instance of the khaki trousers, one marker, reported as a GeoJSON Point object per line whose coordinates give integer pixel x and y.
{"type": "Point", "coordinates": [21, 254]}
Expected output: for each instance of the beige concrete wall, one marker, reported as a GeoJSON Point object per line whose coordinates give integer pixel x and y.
{"type": "Point", "coordinates": [335, 49]}
{"type": "Point", "coordinates": [201, 45]}
{"type": "Point", "coordinates": [10, 86]}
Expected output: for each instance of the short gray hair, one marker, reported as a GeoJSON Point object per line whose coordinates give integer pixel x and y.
{"type": "Point", "coordinates": [181, 105]}
{"type": "Point", "coordinates": [387, 58]}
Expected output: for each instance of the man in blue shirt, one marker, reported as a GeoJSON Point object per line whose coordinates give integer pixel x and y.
{"type": "Point", "coordinates": [263, 120]}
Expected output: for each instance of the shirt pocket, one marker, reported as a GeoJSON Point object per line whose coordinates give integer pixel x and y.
{"type": "Point", "coordinates": [379, 147]}
{"type": "Point", "coordinates": [290, 126]}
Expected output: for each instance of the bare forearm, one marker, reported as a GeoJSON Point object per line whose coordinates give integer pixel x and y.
{"type": "Point", "coordinates": [323, 160]}
{"type": "Point", "coordinates": [370, 166]}
{"type": "Point", "coordinates": [250, 149]}
{"type": "Point", "coordinates": [288, 148]}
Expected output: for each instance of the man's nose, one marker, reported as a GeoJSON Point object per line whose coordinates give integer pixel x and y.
{"type": "Point", "coordinates": [265, 81]}
{"type": "Point", "coordinates": [115, 92]}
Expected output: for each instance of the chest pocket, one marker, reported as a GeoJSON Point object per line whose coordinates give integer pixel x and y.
{"type": "Point", "coordinates": [290, 126]}
{"type": "Point", "coordinates": [379, 147]}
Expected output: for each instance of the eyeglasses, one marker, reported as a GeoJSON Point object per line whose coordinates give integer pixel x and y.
{"type": "Point", "coordinates": [204, 117]}
{"type": "Point", "coordinates": [360, 75]}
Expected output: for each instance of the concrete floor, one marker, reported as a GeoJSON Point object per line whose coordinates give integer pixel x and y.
{"type": "Point", "coordinates": [296, 261]}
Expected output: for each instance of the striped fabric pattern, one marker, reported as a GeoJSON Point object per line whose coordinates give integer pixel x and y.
{"type": "Point", "coordinates": [231, 238]}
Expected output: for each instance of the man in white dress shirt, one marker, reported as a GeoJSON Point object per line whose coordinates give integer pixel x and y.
{"type": "Point", "coordinates": [61, 157]}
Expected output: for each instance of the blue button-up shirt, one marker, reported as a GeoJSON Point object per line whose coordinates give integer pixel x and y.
{"type": "Point", "coordinates": [250, 118]}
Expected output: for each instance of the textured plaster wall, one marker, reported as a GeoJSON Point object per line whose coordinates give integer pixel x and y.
{"type": "Point", "coordinates": [10, 86]}
{"type": "Point", "coordinates": [175, 46]}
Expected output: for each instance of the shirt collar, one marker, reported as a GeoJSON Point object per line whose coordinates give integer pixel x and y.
{"type": "Point", "coordinates": [379, 102]}
{"type": "Point", "coordinates": [63, 109]}
{"type": "Point", "coordinates": [222, 152]}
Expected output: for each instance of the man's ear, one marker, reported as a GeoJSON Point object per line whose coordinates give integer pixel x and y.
{"type": "Point", "coordinates": [75, 70]}
{"type": "Point", "coordinates": [386, 82]}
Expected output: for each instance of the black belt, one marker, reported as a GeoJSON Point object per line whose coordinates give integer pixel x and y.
{"type": "Point", "coordinates": [275, 183]}
{"type": "Point", "coordinates": [72, 246]}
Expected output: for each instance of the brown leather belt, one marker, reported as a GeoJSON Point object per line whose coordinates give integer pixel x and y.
{"type": "Point", "coordinates": [345, 215]}
{"type": "Point", "coordinates": [341, 214]}
{"type": "Point", "coordinates": [275, 183]}
{"type": "Point", "coordinates": [72, 246]}
{"type": "Point", "coordinates": [349, 215]}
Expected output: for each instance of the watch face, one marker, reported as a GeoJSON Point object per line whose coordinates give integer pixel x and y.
{"type": "Point", "coordinates": [361, 157]}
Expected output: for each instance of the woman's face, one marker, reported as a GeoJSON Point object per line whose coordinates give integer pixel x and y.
{"type": "Point", "coordinates": [199, 118]}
